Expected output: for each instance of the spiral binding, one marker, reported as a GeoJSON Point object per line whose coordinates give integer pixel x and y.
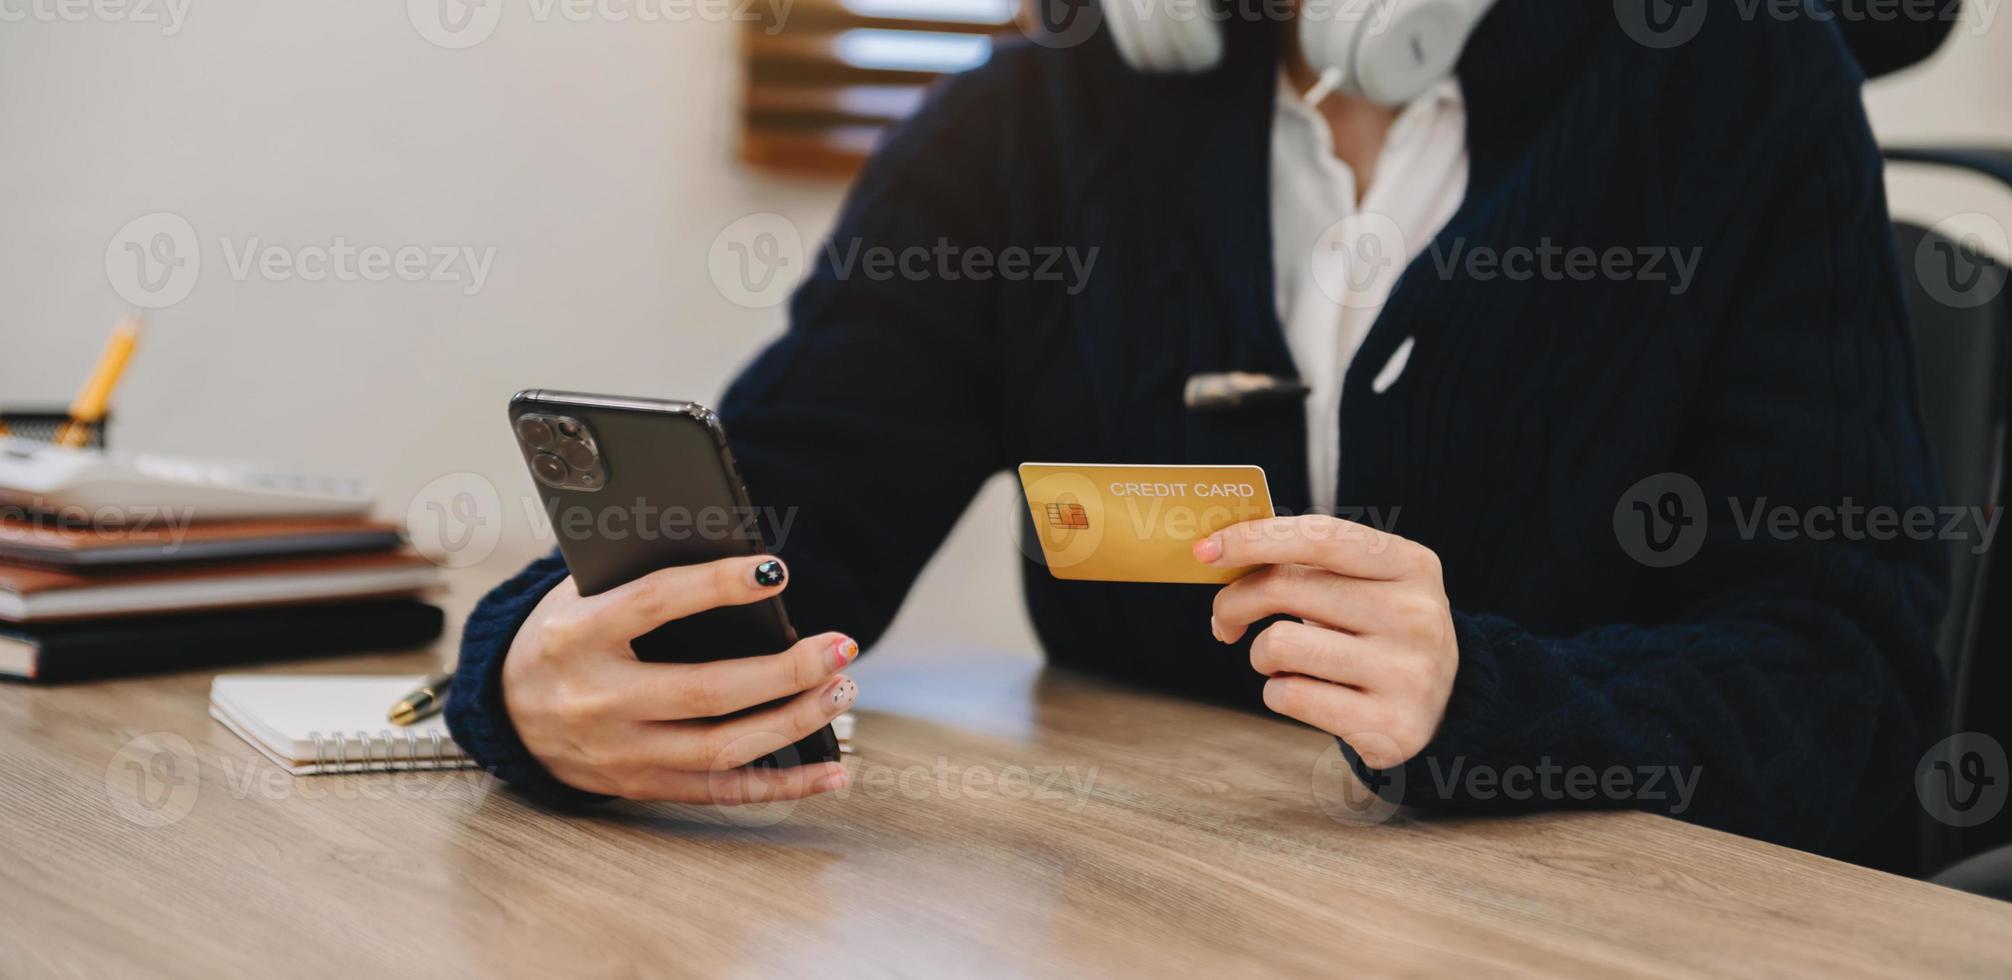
{"type": "Point", "coordinates": [332, 752]}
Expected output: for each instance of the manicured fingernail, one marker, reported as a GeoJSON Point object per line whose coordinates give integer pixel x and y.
{"type": "Point", "coordinates": [1215, 630]}
{"type": "Point", "coordinates": [769, 574]}
{"type": "Point", "coordinates": [843, 651]}
{"type": "Point", "coordinates": [1208, 549]}
{"type": "Point", "coordinates": [842, 694]}
{"type": "Point", "coordinates": [834, 781]}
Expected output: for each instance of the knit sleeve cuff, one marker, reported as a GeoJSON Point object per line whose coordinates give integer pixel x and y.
{"type": "Point", "coordinates": [475, 710]}
{"type": "Point", "coordinates": [1474, 727]}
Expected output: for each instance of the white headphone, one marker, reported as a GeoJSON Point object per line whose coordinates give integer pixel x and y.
{"type": "Point", "coordinates": [1387, 51]}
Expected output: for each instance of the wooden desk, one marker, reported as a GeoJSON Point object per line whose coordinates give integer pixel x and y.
{"type": "Point", "coordinates": [1002, 819]}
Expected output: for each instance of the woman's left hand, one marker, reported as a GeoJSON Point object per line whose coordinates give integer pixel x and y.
{"type": "Point", "coordinates": [1373, 659]}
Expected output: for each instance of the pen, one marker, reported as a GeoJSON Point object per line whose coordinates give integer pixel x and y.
{"type": "Point", "coordinates": [423, 703]}
{"type": "Point", "coordinates": [96, 396]}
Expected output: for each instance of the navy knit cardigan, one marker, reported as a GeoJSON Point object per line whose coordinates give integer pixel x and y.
{"type": "Point", "coordinates": [1792, 677]}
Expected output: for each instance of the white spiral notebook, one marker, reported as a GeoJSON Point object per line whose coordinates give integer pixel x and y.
{"type": "Point", "coordinates": [328, 724]}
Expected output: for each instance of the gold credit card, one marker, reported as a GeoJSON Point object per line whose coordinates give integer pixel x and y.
{"type": "Point", "coordinates": [1113, 523]}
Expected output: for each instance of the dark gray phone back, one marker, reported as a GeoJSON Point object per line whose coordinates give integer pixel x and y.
{"type": "Point", "coordinates": [639, 485]}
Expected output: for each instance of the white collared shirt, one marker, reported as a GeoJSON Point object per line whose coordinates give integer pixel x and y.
{"type": "Point", "coordinates": [1335, 261]}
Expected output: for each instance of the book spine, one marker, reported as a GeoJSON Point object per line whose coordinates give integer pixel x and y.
{"type": "Point", "coordinates": [193, 641]}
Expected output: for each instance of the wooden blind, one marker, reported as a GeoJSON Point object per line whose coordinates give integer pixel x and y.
{"type": "Point", "coordinates": [827, 79]}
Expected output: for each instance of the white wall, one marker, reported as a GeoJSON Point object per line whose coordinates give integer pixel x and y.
{"type": "Point", "coordinates": [594, 158]}
{"type": "Point", "coordinates": [1962, 96]}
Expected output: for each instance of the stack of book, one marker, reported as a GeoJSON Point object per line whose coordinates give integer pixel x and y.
{"type": "Point", "coordinates": [81, 601]}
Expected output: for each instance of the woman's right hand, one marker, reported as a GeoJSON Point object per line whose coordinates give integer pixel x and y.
{"type": "Point", "coordinates": [602, 721]}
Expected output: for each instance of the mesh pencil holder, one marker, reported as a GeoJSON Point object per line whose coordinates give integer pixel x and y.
{"type": "Point", "coordinates": [42, 424]}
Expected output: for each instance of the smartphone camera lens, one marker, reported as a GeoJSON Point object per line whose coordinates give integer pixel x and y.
{"type": "Point", "coordinates": [562, 452]}
{"type": "Point", "coordinates": [578, 454]}
{"type": "Point", "coordinates": [534, 433]}
{"type": "Point", "coordinates": [549, 468]}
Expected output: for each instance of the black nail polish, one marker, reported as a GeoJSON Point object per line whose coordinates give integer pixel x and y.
{"type": "Point", "coordinates": [769, 574]}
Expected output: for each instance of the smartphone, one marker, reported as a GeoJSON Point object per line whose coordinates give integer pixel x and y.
{"type": "Point", "coordinates": [633, 485]}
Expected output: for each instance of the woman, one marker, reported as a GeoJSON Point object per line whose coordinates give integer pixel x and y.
{"type": "Point", "coordinates": [1503, 427]}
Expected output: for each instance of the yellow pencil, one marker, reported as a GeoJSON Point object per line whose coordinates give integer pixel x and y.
{"type": "Point", "coordinates": [95, 398]}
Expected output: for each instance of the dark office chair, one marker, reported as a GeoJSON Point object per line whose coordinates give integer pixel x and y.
{"type": "Point", "coordinates": [1961, 308]}
{"type": "Point", "coordinates": [1962, 319]}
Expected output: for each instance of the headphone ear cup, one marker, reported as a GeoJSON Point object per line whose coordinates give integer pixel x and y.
{"type": "Point", "coordinates": [1330, 30]}
{"type": "Point", "coordinates": [1389, 51]}
{"type": "Point", "coordinates": [1416, 50]}
{"type": "Point", "coordinates": [1163, 37]}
